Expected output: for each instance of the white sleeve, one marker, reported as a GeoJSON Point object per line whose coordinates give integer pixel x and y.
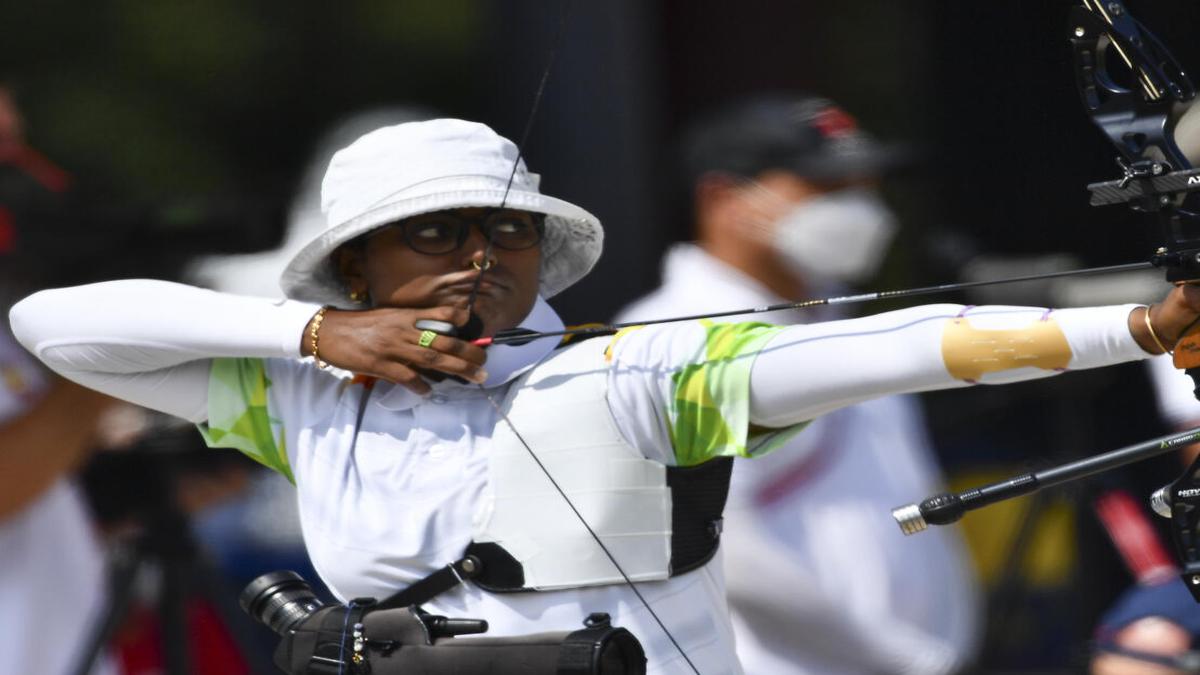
{"type": "Point", "coordinates": [806, 371]}
{"type": "Point", "coordinates": [152, 342]}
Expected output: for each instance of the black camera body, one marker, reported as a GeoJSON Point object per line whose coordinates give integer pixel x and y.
{"type": "Point", "coordinates": [362, 638]}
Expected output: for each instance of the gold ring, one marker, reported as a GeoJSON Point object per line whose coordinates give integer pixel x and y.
{"type": "Point", "coordinates": [427, 338]}
{"type": "Point", "coordinates": [487, 265]}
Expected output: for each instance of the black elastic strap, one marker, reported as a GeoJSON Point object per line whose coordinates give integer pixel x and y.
{"type": "Point", "coordinates": [424, 590]}
{"type": "Point", "coordinates": [501, 572]}
{"type": "Point", "coordinates": [698, 495]}
{"type": "Point", "coordinates": [600, 647]}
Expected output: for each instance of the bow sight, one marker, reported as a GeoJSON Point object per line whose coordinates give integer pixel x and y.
{"type": "Point", "coordinates": [1142, 120]}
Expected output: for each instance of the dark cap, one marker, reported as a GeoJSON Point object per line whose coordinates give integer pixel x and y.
{"type": "Point", "coordinates": [807, 135]}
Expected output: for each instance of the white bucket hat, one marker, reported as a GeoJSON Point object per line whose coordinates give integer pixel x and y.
{"type": "Point", "coordinates": [408, 169]}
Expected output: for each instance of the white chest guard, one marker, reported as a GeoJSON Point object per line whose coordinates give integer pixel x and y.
{"type": "Point", "coordinates": [559, 409]}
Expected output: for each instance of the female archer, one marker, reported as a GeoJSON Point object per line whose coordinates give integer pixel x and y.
{"type": "Point", "coordinates": [410, 448]}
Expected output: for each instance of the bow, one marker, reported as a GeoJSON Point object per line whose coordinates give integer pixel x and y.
{"type": "Point", "coordinates": [1157, 178]}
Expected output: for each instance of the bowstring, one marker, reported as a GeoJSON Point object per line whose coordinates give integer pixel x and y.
{"type": "Point", "coordinates": [537, 99]}
{"type": "Point", "coordinates": [595, 537]}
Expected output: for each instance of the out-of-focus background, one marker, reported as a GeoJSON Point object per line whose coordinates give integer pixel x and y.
{"type": "Point", "coordinates": [187, 126]}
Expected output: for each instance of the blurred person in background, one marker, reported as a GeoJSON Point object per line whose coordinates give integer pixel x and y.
{"type": "Point", "coordinates": [52, 583]}
{"type": "Point", "coordinates": [820, 579]}
{"type": "Point", "coordinates": [64, 510]}
{"type": "Point", "coordinates": [257, 274]}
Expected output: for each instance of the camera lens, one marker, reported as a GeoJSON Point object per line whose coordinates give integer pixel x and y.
{"type": "Point", "coordinates": [280, 600]}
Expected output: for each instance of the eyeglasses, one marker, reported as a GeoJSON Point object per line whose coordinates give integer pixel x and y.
{"type": "Point", "coordinates": [443, 232]}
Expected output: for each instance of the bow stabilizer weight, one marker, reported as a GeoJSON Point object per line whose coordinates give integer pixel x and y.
{"type": "Point", "coordinates": [947, 508]}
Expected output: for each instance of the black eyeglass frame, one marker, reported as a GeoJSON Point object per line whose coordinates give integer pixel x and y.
{"type": "Point", "coordinates": [486, 224]}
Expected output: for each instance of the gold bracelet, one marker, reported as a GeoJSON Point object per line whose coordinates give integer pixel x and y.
{"type": "Point", "coordinates": [1154, 335]}
{"type": "Point", "coordinates": [315, 328]}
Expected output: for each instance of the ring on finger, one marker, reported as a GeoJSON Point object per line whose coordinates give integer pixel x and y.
{"type": "Point", "coordinates": [427, 338]}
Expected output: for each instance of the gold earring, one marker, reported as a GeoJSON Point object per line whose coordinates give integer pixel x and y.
{"type": "Point", "coordinates": [358, 296]}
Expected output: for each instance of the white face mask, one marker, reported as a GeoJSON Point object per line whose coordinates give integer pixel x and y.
{"type": "Point", "coordinates": [841, 235]}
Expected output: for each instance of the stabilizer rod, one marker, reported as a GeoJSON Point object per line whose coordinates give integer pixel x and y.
{"type": "Point", "coordinates": [947, 508]}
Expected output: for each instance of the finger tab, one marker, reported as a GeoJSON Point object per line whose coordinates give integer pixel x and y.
{"type": "Point", "coordinates": [439, 327]}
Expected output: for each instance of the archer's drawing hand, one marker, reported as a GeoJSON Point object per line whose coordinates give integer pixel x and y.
{"type": "Point", "coordinates": [383, 342]}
